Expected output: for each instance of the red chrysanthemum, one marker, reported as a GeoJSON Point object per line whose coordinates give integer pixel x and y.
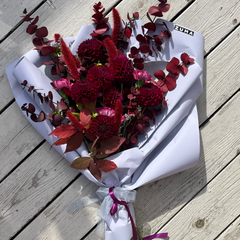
{"type": "Point", "coordinates": [111, 96]}
{"type": "Point", "coordinates": [122, 69]}
{"type": "Point", "coordinates": [150, 95]}
{"type": "Point", "coordinates": [101, 75]}
{"type": "Point", "coordinates": [90, 48]}
{"type": "Point", "coordinates": [84, 91]}
{"type": "Point", "coordinates": [102, 127]}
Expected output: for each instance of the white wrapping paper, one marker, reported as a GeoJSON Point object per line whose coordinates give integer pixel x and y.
{"type": "Point", "coordinates": [170, 146]}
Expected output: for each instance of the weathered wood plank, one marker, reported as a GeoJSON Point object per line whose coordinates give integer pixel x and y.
{"type": "Point", "coordinates": [159, 201]}
{"type": "Point", "coordinates": [63, 219]}
{"type": "Point", "coordinates": [11, 11]}
{"type": "Point", "coordinates": [74, 13]}
{"type": "Point", "coordinates": [232, 232]}
{"type": "Point", "coordinates": [213, 19]}
{"type": "Point", "coordinates": [30, 187]}
{"type": "Point", "coordinates": [220, 76]}
{"type": "Point", "coordinates": [211, 210]}
{"type": "Point", "coordinates": [18, 138]}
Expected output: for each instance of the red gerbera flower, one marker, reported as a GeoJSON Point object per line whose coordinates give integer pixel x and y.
{"type": "Point", "coordinates": [101, 75]}
{"type": "Point", "coordinates": [102, 127]}
{"type": "Point", "coordinates": [122, 68]}
{"type": "Point", "coordinates": [111, 96]}
{"type": "Point", "coordinates": [90, 48]}
{"type": "Point", "coordinates": [150, 95]}
{"type": "Point", "coordinates": [84, 91]}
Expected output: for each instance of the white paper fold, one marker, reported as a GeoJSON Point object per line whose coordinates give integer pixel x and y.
{"type": "Point", "coordinates": [170, 146]}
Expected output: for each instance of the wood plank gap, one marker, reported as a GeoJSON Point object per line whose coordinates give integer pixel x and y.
{"type": "Point", "coordinates": [227, 227]}
{"type": "Point", "coordinates": [220, 171]}
{"type": "Point", "coordinates": [92, 229]}
{"type": "Point", "coordinates": [21, 22]}
{"type": "Point", "coordinates": [29, 154]}
{"type": "Point", "coordinates": [107, 11]}
{"type": "Point", "coordinates": [223, 39]}
{"type": "Point", "coordinates": [45, 207]}
{"type": "Point", "coordinates": [6, 106]}
{"type": "Point", "coordinates": [216, 111]}
{"type": "Point", "coordinates": [181, 11]}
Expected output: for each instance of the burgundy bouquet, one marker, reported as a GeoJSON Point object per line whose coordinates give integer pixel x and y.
{"type": "Point", "coordinates": [121, 101]}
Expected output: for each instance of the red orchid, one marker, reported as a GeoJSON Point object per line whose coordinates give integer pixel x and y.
{"type": "Point", "coordinates": [167, 83]}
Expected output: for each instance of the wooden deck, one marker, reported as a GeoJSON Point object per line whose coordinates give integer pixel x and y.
{"type": "Point", "coordinates": [37, 185]}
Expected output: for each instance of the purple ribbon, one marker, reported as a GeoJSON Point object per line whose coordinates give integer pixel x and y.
{"type": "Point", "coordinates": [114, 209]}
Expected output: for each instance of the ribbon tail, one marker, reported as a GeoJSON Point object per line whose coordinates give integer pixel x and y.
{"type": "Point", "coordinates": [133, 225]}
{"type": "Point", "coordinates": [159, 235]}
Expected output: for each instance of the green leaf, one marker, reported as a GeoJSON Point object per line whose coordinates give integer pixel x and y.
{"type": "Point", "coordinates": [139, 84]}
{"type": "Point", "coordinates": [81, 163]}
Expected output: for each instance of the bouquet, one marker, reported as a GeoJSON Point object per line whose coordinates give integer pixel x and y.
{"type": "Point", "coordinates": [117, 101]}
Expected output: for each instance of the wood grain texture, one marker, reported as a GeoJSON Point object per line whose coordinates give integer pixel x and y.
{"type": "Point", "coordinates": [63, 219]}
{"type": "Point", "coordinates": [18, 138]}
{"type": "Point", "coordinates": [159, 201]}
{"type": "Point", "coordinates": [10, 12]}
{"type": "Point", "coordinates": [207, 214]}
{"type": "Point", "coordinates": [232, 232]}
{"type": "Point", "coordinates": [30, 187]}
{"type": "Point", "coordinates": [213, 19]}
{"type": "Point", "coordinates": [221, 76]}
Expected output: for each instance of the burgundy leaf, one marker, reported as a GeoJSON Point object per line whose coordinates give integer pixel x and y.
{"type": "Point", "coordinates": [110, 145]}
{"type": "Point", "coordinates": [100, 31]}
{"type": "Point", "coordinates": [170, 82]}
{"type": "Point", "coordinates": [51, 105]}
{"type": "Point", "coordinates": [31, 108]}
{"type": "Point", "coordinates": [27, 19]}
{"type": "Point", "coordinates": [144, 48]}
{"type": "Point", "coordinates": [25, 11]}
{"type": "Point", "coordinates": [57, 120]}
{"type": "Point", "coordinates": [60, 141]}
{"type": "Point", "coordinates": [47, 50]}
{"type": "Point", "coordinates": [85, 116]}
{"type": "Point", "coordinates": [94, 170]}
{"type": "Point", "coordinates": [140, 38]}
{"type": "Point", "coordinates": [37, 42]}
{"type": "Point", "coordinates": [136, 15]}
{"type": "Point", "coordinates": [49, 116]}
{"type": "Point", "coordinates": [158, 39]}
{"type": "Point", "coordinates": [140, 128]}
{"type": "Point", "coordinates": [134, 50]}
{"type": "Point", "coordinates": [164, 7]}
{"type": "Point", "coordinates": [155, 112]}
{"type": "Point", "coordinates": [139, 66]}
{"type": "Point", "coordinates": [61, 105]}
{"type": "Point", "coordinates": [40, 118]}
{"type": "Point", "coordinates": [35, 20]}
{"type": "Point", "coordinates": [183, 69]}
{"type": "Point", "coordinates": [159, 74]}
{"type": "Point", "coordinates": [164, 103]}
{"type": "Point", "coordinates": [64, 131]}
{"type": "Point", "coordinates": [42, 32]}
{"type": "Point", "coordinates": [74, 142]}
{"type": "Point", "coordinates": [155, 11]}
{"type": "Point", "coordinates": [50, 95]}
{"type": "Point", "coordinates": [186, 59]}
{"type": "Point", "coordinates": [31, 29]}
{"type": "Point", "coordinates": [150, 26]}
{"type": "Point", "coordinates": [105, 165]}
{"type": "Point", "coordinates": [133, 139]}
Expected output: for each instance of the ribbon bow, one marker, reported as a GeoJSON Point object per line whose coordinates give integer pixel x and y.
{"type": "Point", "coordinates": [114, 209]}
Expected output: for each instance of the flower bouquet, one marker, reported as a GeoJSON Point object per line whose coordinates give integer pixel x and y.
{"type": "Point", "coordinates": [117, 101]}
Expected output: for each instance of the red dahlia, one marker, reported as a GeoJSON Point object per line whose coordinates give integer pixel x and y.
{"type": "Point", "coordinates": [103, 127]}
{"type": "Point", "coordinates": [110, 97]}
{"type": "Point", "coordinates": [122, 69]}
{"type": "Point", "coordinates": [101, 76]}
{"type": "Point", "coordinates": [84, 91]}
{"type": "Point", "coordinates": [90, 48]}
{"type": "Point", "coordinates": [150, 95]}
